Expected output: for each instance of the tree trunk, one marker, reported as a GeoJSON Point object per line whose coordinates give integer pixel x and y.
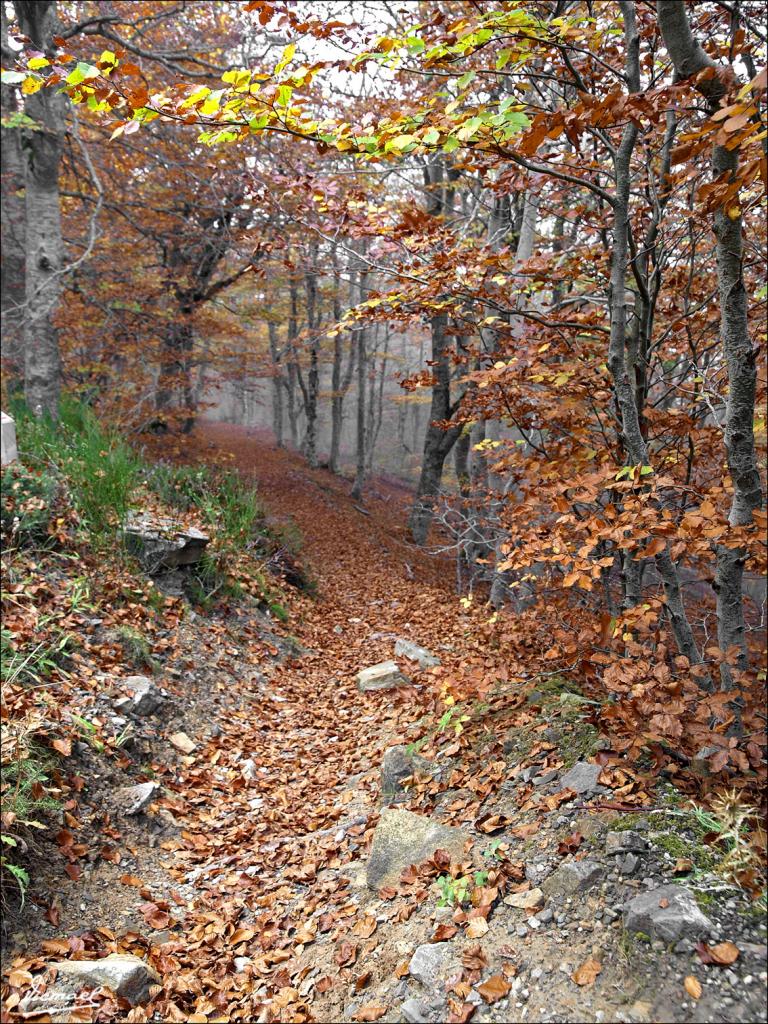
{"type": "Point", "coordinates": [689, 59]}
{"type": "Point", "coordinates": [438, 440]}
{"type": "Point", "coordinates": [339, 383]}
{"type": "Point", "coordinates": [360, 334]}
{"type": "Point", "coordinates": [292, 365]}
{"type": "Point", "coordinates": [624, 391]}
{"type": "Point", "coordinates": [175, 395]}
{"type": "Point", "coordinates": [44, 247]}
{"type": "Point", "coordinates": [277, 384]}
{"type": "Point", "coordinates": [313, 375]}
{"type": "Point", "coordinates": [12, 227]}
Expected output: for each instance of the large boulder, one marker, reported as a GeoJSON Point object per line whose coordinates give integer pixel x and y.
{"type": "Point", "coordinates": [384, 676]}
{"type": "Point", "coordinates": [401, 839]}
{"type": "Point", "coordinates": [413, 652]}
{"type": "Point", "coordinates": [160, 543]}
{"type": "Point", "coordinates": [397, 766]}
{"type": "Point", "coordinates": [668, 913]}
{"type": "Point", "coordinates": [126, 975]}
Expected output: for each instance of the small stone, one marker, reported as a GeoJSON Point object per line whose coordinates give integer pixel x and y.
{"type": "Point", "coordinates": [537, 973]}
{"type": "Point", "coordinates": [546, 915]}
{"type": "Point", "coordinates": [576, 876]}
{"type": "Point", "coordinates": [397, 766]}
{"type": "Point", "coordinates": [126, 975]}
{"type": "Point", "coordinates": [521, 930]}
{"type": "Point", "coordinates": [146, 696]}
{"type": "Point", "coordinates": [669, 912]}
{"type": "Point", "coordinates": [629, 864]}
{"type": "Point", "coordinates": [582, 778]}
{"type": "Point", "coordinates": [525, 900]}
{"type": "Point", "coordinates": [431, 962]}
{"type": "Point", "coordinates": [414, 1012]}
{"type": "Point", "coordinates": [182, 742]}
{"type": "Point", "coordinates": [241, 962]}
{"type": "Point", "coordinates": [215, 731]}
{"type": "Point", "coordinates": [248, 770]}
{"type": "Point", "coordinates": [625, 842]}
{"type": "Point", "coordinates": [135, 799]}
{"type": "Point", "coordinates": [534, 922]}
{"type": "Point", "coordinates": [384, 676]}
{"type": "Point", "coordinates": [546, 777]}
{"type": "Point", "coordinates": [413, 652]}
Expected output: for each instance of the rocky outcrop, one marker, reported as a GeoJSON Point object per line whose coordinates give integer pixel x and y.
{"type": "Point", "coordinates": [397, 766]}
{"type": "Point", "coordinates": [161, 543]}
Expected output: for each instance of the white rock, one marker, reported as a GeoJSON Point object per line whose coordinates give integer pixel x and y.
{"type": "Point", "coordinates": [8, 450]}
{"type": "Point", "coordinates": [126, 975]}
{"type": "Point", "coordinates": [135, 799]}
{"type": "Point", "coordinates": [414, 652]}
{"type": "Point", "coordinates": [384, 676]}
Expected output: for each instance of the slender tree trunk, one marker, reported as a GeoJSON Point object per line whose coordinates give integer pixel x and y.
{"type": "Point", "coordinates": [313, 375]}
{"type": "Point", "coordinates": [438, 440]}
{"type": "Point", "coordinates": [377, 403]}
{"type": "Point", "coordinates": [277, 384]}
{"type": "Point", "coordinates": [292, 365]}
{"type": "Point", "coordinates": [340, 382]}
{"type": "Point", "coordinates": [689, 59]}
{"type": "Point", "coordinates": [12, 228]}
{"type": "Point", "coordinates": [362, 360]}
{"type": "Point", "coordinates": [41, 149]}
{"type": "Point", "coordinates": [174, 396]}
{"type": "Point", "coordinates": [624, 390]}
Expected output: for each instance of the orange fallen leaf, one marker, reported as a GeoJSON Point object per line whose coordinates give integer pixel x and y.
{"type": "Point", "coordinates": [724, 953]}
{"type": "Point", "coordinates": [692, 987]}
{"type": "Point", "coordinates": [586, 974]}
{"type": "Point", "coordinates": [18, 978]}
{"type": "Point", "coordinates": [495, 988]}
{"type": "Point", "coordinates": [682, 866]}
{"type": "Point", "coordinates": [370, 1011]}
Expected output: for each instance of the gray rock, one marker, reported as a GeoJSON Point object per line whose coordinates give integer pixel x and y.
{"type": "Point", "coordinates": [8, 449]}
{"type": "Point", "coordinates": [384, 676]}
{"type": "Point", "coordinates": [414, 1012]}
{"type": "Point", "coordinates": [432, 962]}
{"type": "Point", "coordinates": [625, 842]}
{"type": "Point", "coordinates": [397, 766]}
{"type": "Point", "coordinates": [576, 876]}
{"type": "Point", "coordinates": [158, 542]}
{"type": "Point", "coordinates": [546, 915]}
{"type": "Point", "coordinates": [126, 975]}
{"type": "Point", "coordinates": [135, 799]}
{"type": "Point", "coordinates": [413, 652]}
{"type": "Point", "coordinates": [628, 864]}
{"type": "Point", "coordinates": [546, 777]}
{"type": "Point", "coordinates": [669, 913]}
{"type": "Point", "coordinates": [582, 778]}
{"type": "Point", "coordinates": [241, 962]}
{"type": "Point", "coordinates": [402, 838]}
{"type": "Point", "coordinates": [146, 696]}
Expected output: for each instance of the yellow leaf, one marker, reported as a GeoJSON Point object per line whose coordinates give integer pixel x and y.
{"type": "Point", "coordinates": [31, 85]}
{"type": "Point", "coordinates": [692, 987]}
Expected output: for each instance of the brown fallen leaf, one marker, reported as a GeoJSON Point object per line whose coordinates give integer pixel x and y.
{"type": "Point", "coordinates": [570, 844]}
{"type": "Point", "coordinates": [682, 866]}
{"type": "Point", "coordinates": [474, 959]}
{"type": "Point", "coordinates": [443, 932]}
{"type": "Point", "coordinates": [459, 1013]}
{"type": "Point", "coordinates": [370, 1011]}
{"type": "Point", "coordinates": [663, 902]}
{"type": "Point", "coordinates": [586, 974]}
{"type": "Point", "coordinates": [365, 927]}
{"type": "Point", "coordinates": [476, 928]}
{"type": "Point", "coordinates": [363, 980]}
{"type": "Point", "coordinates": [495, 988]}
{"type": "Point", "coordinates": [724, 953]}
{"type": "Point", "coordinates": [692, 986]}
{"type": "Point", "coordinates": [346, 954]}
